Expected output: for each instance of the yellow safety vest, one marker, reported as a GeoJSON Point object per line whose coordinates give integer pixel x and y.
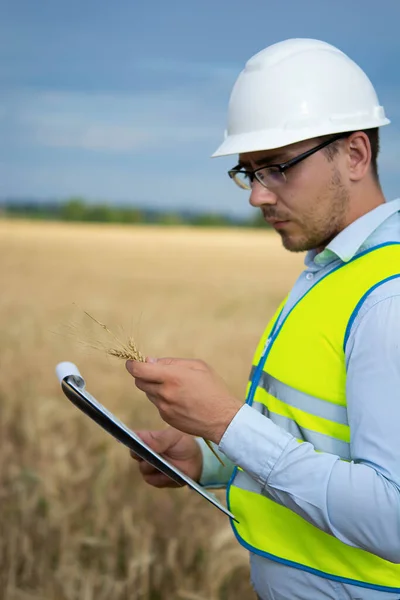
{"type": "Point", "coordinates": [299, 381]}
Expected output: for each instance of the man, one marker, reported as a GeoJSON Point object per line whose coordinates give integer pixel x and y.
{"type": "Point", "coordinates": [317, 491]}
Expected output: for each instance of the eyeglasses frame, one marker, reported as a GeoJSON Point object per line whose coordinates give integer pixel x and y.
{"type": "Point", "coordinates": [282, 167]}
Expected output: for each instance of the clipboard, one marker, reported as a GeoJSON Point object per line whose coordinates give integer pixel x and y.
{"type": "Point", "coordinates": [74, 387]}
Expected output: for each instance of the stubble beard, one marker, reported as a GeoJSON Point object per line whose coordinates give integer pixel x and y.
{"type": "Point", "coordinates": [320, 230]}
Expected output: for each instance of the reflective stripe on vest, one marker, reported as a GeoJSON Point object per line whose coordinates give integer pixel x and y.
{"type": "Point", "coordinates": [298, 380]}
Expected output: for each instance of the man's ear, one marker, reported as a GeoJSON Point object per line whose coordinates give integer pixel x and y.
{"type": "Point", "coordinates": [358, 155]}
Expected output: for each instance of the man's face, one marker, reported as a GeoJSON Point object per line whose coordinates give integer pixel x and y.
{"type": "Point", "coordinates": [310, 209]}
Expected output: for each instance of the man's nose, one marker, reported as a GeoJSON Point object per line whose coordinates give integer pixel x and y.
{"type": "Point", "coordinates": [261, 195]}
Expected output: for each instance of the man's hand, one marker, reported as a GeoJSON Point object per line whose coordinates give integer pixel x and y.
{"type": "Point", "coordinates": [178, 448]}
{"type": "Point", "coordinates": [189, 395]}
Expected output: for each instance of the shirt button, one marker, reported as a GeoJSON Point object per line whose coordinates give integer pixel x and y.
{"type": "Point", "coordinates": [310, 276]}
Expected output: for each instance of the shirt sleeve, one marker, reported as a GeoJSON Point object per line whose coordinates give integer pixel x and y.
{"type": "Point", "coordinates": [359, 501]}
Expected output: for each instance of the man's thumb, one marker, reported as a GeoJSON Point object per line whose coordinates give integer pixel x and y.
{"type": "Point", "coordinates": [159, 441]}
{"type": "Point", "coordinates": [167, 360]}
{"type": "Point", "coordinates": [150, 359]}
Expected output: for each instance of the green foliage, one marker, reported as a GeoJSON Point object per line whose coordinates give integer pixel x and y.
{"type": "Point", "coordinates": [170, 219]}
{"type": "Point", "coordinates": [73, 210]}
{"type": "Point", "coordinates": [211, 220]}
{"type": "Point", "coordinates": [77, 209]}
{"type": "Point", "coordinates": [258, 220]}
{"type": "Point", "coordinates": [131, 215]}
{"type": "Point", "coordinates": [101, 213]}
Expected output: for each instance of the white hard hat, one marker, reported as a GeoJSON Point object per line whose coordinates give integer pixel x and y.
{"type": "Point", "coordinates": [296, 90]}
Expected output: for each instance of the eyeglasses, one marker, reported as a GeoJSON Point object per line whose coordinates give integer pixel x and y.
{"type": "Point", "coordinates": [273, 176]}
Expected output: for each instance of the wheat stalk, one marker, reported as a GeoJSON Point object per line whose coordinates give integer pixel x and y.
{"type": "Point", "coordinates": [127, 351]}
{"type": "Point", "coordinates": [217, 456]}
{"type": "Point", "coordinates": [130, 351]}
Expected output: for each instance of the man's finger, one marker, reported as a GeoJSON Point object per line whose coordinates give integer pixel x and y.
{"type": "Point", "coordinates": [162, 440]}
{"type": "Point", "coordinates": [159, 480]}
{"type": "Point", "coordinates": [157, 370]}
{"type": "Point", "coordinates": [151, 389]}
{"type": "Point", "coordinates": [152, 372]}
{"type": "Point", "coordinates": [185, 363]}
{"type": "Point", "coordinates": [152, 439]}
{"type": "Point", "coordinates": [147, 469]}
{"type": "Point", "coordinates": [170, 361]}
{"type": "Point", "coordinates": [135, 456]}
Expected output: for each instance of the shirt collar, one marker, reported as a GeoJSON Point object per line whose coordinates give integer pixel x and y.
{"type": "Point", "coordinates": [355, 237]}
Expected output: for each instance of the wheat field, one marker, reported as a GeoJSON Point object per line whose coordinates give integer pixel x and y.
{"type": "Point", "coordinates": [76, 520]}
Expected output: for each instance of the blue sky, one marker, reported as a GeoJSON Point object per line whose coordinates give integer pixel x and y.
{"type": "Point", "coordinates": [125, 101]}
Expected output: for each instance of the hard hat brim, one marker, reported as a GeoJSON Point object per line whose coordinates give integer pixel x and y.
{"type": "Point", "coordinates": [274, 139]}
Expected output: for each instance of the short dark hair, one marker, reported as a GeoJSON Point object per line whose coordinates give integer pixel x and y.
{"type": "Point", "coordinates": [373, 136]}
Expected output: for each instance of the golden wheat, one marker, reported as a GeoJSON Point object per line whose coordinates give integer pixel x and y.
{"type": "Point", "coordinates": [76, 519]}
{"type": "Point", "coordinates": [131, 352]}
{"type": "Point", "coordinates": [127, 351]}
{"type": "Point", "coordinates": [126, 354]}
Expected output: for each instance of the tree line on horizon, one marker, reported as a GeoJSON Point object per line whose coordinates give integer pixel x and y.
{"type": "Point", "coordinates": [78, 210]}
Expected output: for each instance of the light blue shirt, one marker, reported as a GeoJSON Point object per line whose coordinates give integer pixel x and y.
{"type": "Point", "coordinates": [359, 501]}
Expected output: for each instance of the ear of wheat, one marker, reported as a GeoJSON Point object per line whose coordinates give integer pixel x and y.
{"type": "Point", "coordinates": [130, 351]}
{"type": "Point", "coordinates": [127, 351]}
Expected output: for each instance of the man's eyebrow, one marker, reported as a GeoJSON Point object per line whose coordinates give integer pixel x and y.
{"type": "Point", "coordinates": [266, 161]}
